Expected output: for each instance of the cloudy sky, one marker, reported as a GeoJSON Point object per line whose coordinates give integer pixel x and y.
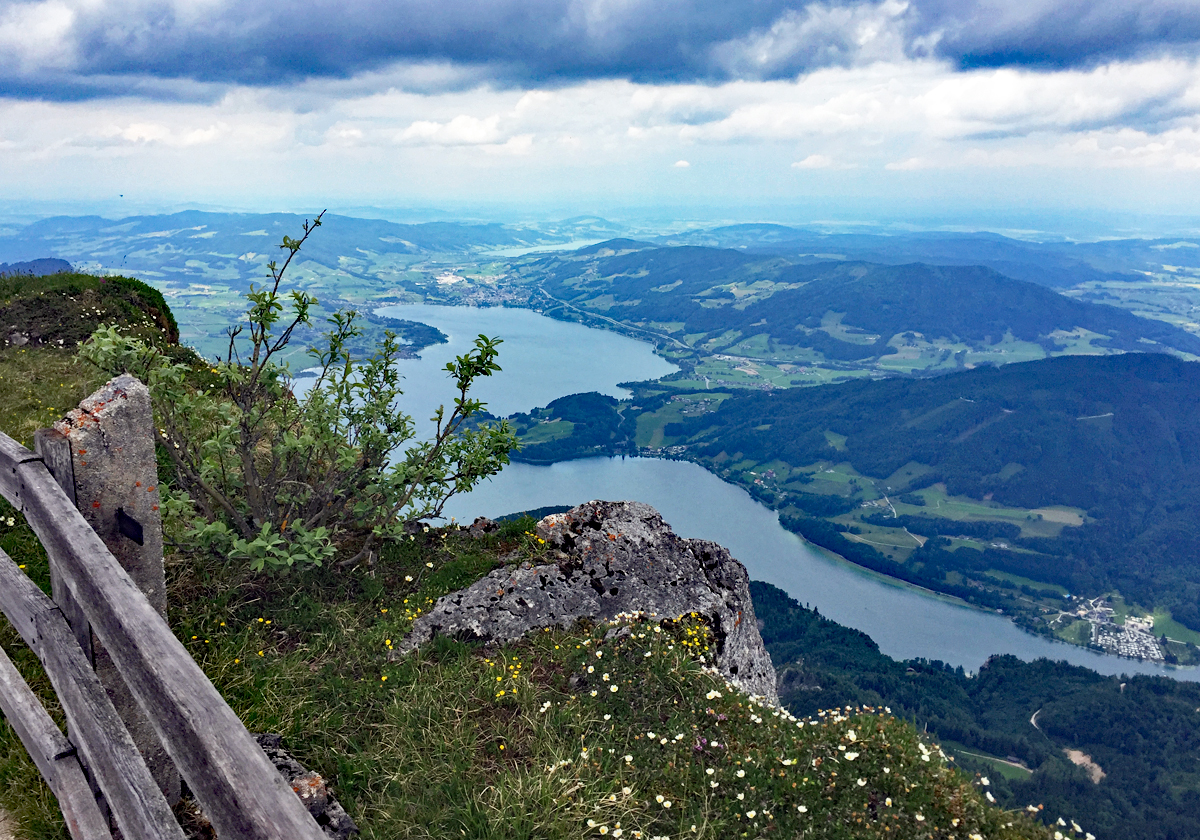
{"type": "Point", "coordinates": [731, 108]}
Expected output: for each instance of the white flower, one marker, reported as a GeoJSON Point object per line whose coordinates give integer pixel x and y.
{"type": "Point", "coordinates": [850, 756]}
{"type": "Point", "coordinates": [850, 734]}
{"type": "Point", "coordinates": [714, 785]}
{"type": "Point", "coordinates": [709, 771]}
{"type": "Point", "coordinates": [888, 802]}
{"type": "Point", "coordinates": [862, 782]}
{"type": "Point", "coordinates": [604, 676]}
{"type": "Point", "coordinates": [713, 695]}
{"type": "Point", "coordinates": [741, 796]}
{"type": "Point", "coordinates": [751, 813]}
{"type": "Point", "coordinates": [663, 741]}
{"type": "Point", "coordinates": [667, 803]}
{"type": "Point", "coordinates": [626, 790]}
{"type": "Point", "coordinates": [612, 689]}
{"type": "Point", "coordinates": [803, 809]}
{"type": "Point", "coordinates": [659, 799]}
{"type": "Point", "coordinates": [628, 759]}
{"type": "Point", "coordinates": [984, 781]}
{"type": "Point", "coordinates": [920, 818]}
{"type": "Point", "coordinates": [590, 669]}
{"type": "Point", "coordinates": [991, 798]}
{"type": "Point", "coordinates": [741, 773]}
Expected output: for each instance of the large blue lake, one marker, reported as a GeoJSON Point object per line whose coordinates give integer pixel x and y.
{"type": "Point", "coordinates": [544, 359]}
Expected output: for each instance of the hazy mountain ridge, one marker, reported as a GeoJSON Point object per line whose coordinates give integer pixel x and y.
{"type": "Point", "coordinates": [845, 310]}
{"type": "Point", "coordinates": [203, 244]}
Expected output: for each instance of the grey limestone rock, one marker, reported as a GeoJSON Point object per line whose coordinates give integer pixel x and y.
{"type": "Point", "coordinates": [613, 557]}
{"type": "Point", "coordinates": [313, 790]}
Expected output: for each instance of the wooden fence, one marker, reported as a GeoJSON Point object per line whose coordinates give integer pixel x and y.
{"type": "Point", "coordinates": [235, 785]}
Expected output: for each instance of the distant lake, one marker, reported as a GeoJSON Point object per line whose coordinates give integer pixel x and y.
{"type": "Point", "coordinates": [541, 359]}
{"type": "Point", "coordinates": [544, 359]}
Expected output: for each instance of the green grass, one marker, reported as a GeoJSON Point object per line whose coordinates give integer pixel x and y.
{"type": "Point", "coordinates": [969, 756]}
{"type": "Point", "coordinates": [1024, 581]}
{"type": "Point", "coordinates": [1165, 624]}
{"type": "Point", "coordinates": [565, 734]}
{"type": "Point", "coordinates": [526, 741]}
{"type": "Point", "coordinates": [1077, 632]}
{"type": "Point", "coordinates": [543, 432]}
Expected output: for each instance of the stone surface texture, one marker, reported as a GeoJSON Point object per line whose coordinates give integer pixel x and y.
{"type": "Point", "coordinates": [112, 437]}
{"type": "Point", "coordinates": [612, 557]}
{"type": "Point", "coordinates": [312, 789]}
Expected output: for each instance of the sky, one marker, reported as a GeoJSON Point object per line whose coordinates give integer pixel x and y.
{"type": "Point", "coordinates": [975, 112]}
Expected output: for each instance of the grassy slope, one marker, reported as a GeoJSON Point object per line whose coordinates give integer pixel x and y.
{"type": "Point", "coordinates": [527, 741]}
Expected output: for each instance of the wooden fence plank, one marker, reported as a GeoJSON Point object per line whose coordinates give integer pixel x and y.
{"type": "Point", "coordinates": [234, 783]}
{"type": "Point", "coordinates": [53, 754]}
{"type": "Point", "coordinates": [138, 805]}
{"type": "Point", "coordinates": [55, 451]}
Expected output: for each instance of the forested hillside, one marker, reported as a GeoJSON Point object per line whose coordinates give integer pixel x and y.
{"type": "Point", "coordinates": [845, 311]}
{"type": "Point", "coordinates": [1141, 732]}
{"type": "Point", "coordinates": [1084, 471]}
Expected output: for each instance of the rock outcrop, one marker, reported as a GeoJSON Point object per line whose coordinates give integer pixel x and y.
{"type": "Point", "coordinates": [612, 557]}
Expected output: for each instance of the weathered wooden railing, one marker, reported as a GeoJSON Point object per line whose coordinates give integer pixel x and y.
{"type": "Point", "coordinates": [230, 777]}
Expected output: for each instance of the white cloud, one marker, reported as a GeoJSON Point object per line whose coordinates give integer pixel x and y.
{"type": "Point", "coordinates": [618, 136]}
{"type": "Point", "coordinates": [681, 164]}
{"type": "Point", "coordinates": [34, 35]}
{"type": "Point", "coordinates": [909, 165]}
{"type": "Point", "coordinates": [814, 162]}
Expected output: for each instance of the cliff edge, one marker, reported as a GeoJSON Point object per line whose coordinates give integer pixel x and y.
{"type": "Point", "coordinates": [612, 558]}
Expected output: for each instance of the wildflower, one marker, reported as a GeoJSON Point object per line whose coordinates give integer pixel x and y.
{"type": "Point", "coordinates": [888, 802]}
{"type": "Point", "coordinates": [659, 799]}
{"type": "Point", "coordinates": [991, 798]}
{"type": "Point", "coordinates": [920, 818]}
{"type": "Point", "coordinates": [710, 771]}
{"type": "Point", "coordinates": [803, 809]}
{"type": "Point", "coordinates": [984, 781]}
{"type": "Point", "coordinates": [626, 790]}
{"type": "Point", "coordinates": [862, 782]}
{"type": "Point", "coordinates": [751, 813]}
{"type": "Point", "coordinates": [850, 734]}
{"type": "Point", "coordinates": [628, 759]}
{"type": "Point", "coordinates": [741, 796]}
{"type": "Point", "coordinates": [612, 689]}
{"type": "Point", "coordinates": [850, 756]}
{"type": "Point", "coordinates": [741, 773]}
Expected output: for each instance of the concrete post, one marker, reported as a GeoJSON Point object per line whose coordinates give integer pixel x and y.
{"type": "Point", "coordinates": [107, 446]}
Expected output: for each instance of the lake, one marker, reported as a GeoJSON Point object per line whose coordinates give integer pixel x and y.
{"type": "Point", "coordinates": [544, 359]}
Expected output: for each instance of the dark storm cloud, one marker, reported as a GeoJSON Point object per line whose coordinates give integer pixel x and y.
{"type": "Point", "coordinates": [265, 42]}
{"type": "Point", "coordinates": [1056, 33]}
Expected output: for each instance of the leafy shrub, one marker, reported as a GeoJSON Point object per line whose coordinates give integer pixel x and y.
{"type": "Point", "coordinates": [276, 477]}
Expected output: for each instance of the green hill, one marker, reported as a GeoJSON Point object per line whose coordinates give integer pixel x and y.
{"type": "Point", "coordinates": [1077, 474]}
{"type": "Point", "coordinates": [923, 316]}
{"type": "Point", "coordinates": [459, 740]}
{"type": "Point", "coordinates": [1140, 731]}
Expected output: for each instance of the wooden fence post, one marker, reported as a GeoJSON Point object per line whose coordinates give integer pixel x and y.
{"type": "Point", "coordinates": [102, 455]}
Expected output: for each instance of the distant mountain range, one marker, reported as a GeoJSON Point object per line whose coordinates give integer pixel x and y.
{"type": "Point", "coordinates": [231, 246]}
{"type": "Point", "coordinates": [846, 310]}
{"type": "Point", "coordinates": [1054, 264]}
{"type": "Point", "coordinates": [35, 268]}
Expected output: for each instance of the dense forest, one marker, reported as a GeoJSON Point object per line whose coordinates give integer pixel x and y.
{"type": "Point", "coordinates": [1117, 437]}
{"type": "Point", "coordinates": [1142, 732]}
{"type": "Point", "coordinates": [714, 291]}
